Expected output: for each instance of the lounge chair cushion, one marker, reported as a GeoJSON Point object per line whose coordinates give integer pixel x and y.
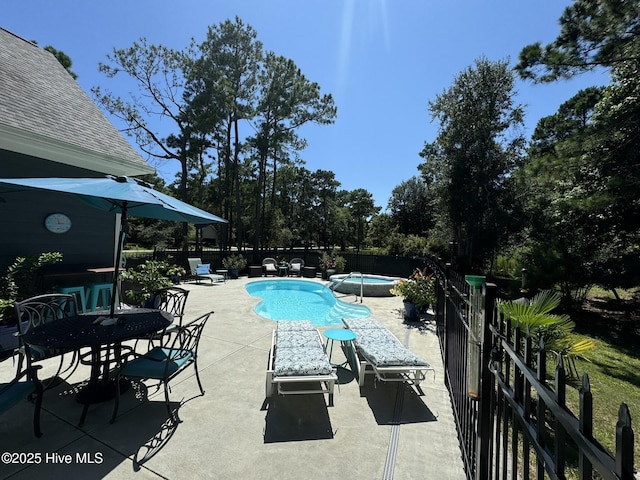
{"type": "Point", "coordinates": [203, 269]}
{"type": "Point", "coordinates": [360, 323]}
{"type": "Point", "coordinates": [386, 351]}
{"type": "Point", "coordinates": [287, 325]}
{"type": "Point", "coordinates": [296, 338]}
{"type": "Point", "coordinates": [299, 351]}
{"type": "Point", "coordinates": [294, 267]}
{"type": "Point", "coordinates": [301, 361]}
{"type": "Point", "coordinates": [380, 346]}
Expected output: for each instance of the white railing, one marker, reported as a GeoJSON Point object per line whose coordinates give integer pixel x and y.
{"type": "Point", "coordinates": [332, 287]}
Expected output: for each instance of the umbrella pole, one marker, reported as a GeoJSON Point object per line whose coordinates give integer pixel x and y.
{"type": "Point", "coordinates": [116, 270]}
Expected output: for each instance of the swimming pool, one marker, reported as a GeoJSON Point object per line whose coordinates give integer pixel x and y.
{"type": "Point", "coordinates": [372, 285]}
{"type": "Point", "coordinates": [302, 300]}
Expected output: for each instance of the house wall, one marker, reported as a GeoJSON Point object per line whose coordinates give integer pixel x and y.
{"type": "Point", "coordinates": [89, 242]}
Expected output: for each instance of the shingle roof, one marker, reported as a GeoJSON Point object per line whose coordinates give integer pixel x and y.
{"type": "Point", "coordinates": [44, 112]}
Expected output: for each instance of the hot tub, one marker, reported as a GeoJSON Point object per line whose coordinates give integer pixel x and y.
{"type": "Point", "coordinates": [372, 285]}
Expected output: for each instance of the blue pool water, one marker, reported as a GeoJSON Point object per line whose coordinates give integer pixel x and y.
{"type": "Point", "coordinates": [302, 300]}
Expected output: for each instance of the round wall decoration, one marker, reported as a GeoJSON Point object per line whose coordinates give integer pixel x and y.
{"type": "Point", "coordinates": [57, 223]}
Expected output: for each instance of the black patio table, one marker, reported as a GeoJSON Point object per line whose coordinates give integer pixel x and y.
{"type": "Point", "coordinates": [84, 330]}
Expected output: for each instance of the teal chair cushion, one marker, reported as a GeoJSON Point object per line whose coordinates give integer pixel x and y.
{"type": "Point", "coordinates": [153, 363]}
{"type": "Point", "coordinates": [15, 394]}
{"type": "Point", "coordinates": [40, 353]}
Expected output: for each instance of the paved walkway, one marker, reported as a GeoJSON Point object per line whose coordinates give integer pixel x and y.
{"type": "Point", "coordinates": [382, 431]}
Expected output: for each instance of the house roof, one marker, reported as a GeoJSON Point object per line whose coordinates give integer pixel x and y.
{"type": "Point", "coordinates": [45, 113]}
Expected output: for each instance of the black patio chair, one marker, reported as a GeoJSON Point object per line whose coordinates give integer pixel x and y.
{"type": "Point", "coordinates": [36, 311]}
{"type": "Point", "coordinates": [172, 300]}
{"type": "Point", "coordinates": [165, 363]}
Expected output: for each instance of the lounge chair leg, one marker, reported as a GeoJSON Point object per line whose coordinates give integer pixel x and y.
{"type": "Point", "coordinates": [362, 372]}
{"type": "Point", "coordinates": [268, 388]}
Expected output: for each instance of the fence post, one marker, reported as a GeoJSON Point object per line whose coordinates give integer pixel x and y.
{"type": "Point", "coordinates": [586, 425]}
{"type": "Point", "coordinates": [485, 421]}
{"type": "Point", "coordinates": [624, 444]}
{"type": "Point", "coordinates": [444, 342]}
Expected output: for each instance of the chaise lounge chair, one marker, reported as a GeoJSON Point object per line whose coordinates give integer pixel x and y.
{"type": "Point", "coordinates": [297, 357]}
{"type": "Point", "coordinates": [388, 358]}
{"type": "Point", "coordinates": [202, 271]}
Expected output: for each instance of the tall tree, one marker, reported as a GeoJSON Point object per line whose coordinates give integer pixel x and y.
{"type": "Point", "coordinates": [593, 33]}
{"type": "Point", "coordinates": [288, 101]}
{"type": "Point", "coordinates": [225, 82]}
{"type": "Point", "coordinates": [601, 33]}
{"type": "Point", "coordinates": [158, 73]}
{"type": "Point", "coordinates": [325, 190]}
{"type": "Point", "coordinates": [563, 238]}
{"type": "Point", "coordinates": [362, 208]}
{"type": "Point", "coordinates": [478, 146]}
{"type": "Point", "coordinates": [412, 207]}
{"type": "Point", "coordinates": [63, 58]}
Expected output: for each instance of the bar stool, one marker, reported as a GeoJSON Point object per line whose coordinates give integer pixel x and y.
{"type": "Point", "coordinates": [99, 294]}
{"type": "Point", "coordinates": [78, 293]}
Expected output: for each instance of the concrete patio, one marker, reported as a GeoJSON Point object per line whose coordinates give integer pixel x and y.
{"type": "Point", "coordinates": [384, 431]}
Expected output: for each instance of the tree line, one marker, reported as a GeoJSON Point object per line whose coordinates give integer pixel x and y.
{"type": "Point", "coordinates": [233, 113]}
{"type": "Point", "coordinates": [562, 203]}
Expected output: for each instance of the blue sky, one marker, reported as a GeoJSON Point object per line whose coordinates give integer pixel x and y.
{"type": "Point", "coordinates": [382, 60]}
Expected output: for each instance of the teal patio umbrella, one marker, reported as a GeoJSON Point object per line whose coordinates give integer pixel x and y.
{"type": "Point", "coordinates": [124, 195]}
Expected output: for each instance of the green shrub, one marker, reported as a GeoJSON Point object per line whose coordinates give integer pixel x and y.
{"type": "Point", "coordinates": [19, 281]}
{"type": "Point", "coordinates": [145, 279]}
{"type": "Point", "coordinates": [234, 262]}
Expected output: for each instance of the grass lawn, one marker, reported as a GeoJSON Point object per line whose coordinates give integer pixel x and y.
{"type": "Point", "coordinates": [614, 364]}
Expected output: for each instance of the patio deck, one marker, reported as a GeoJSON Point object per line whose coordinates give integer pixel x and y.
{"type": "Point", "coordinates": [386, 431]}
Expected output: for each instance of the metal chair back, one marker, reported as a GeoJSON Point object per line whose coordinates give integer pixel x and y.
{"type": "Point", "coordinates": [42, 309]}
{"type": "Point", "coordinates": [172, 300]}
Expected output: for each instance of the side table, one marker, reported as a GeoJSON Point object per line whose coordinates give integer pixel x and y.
{"type": "Point", "coordinates": [345, 337]}
{"type": "Point", "coordinates": [223, 272]}
{"type": "Point", "coordinates": [309, 272]}
{"type": "Point", "coordinates": [255, 271]}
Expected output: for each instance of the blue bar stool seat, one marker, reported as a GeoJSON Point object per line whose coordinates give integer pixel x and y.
{"type": "Point", "coordinates": [78, 293]}
{"type": "Point", "coordinates": [99, 295]}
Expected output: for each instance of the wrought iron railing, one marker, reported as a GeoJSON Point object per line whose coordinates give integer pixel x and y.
{"type": "Point", "coordinates": [514, 424]}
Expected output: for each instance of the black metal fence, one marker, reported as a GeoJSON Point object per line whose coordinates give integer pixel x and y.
{"type": "Point", "coordinates": [355, 262]}
{"type": "Point", "coordinates": [511, 422]}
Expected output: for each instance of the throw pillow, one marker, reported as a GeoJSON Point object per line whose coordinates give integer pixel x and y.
{"type": "Point", "coordinates": [203, 269]}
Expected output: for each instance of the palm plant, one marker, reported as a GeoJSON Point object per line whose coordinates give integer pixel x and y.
{"type": "Point", "coordinates": [534, 317]}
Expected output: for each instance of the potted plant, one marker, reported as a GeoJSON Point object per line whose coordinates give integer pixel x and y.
{"type": "Point", "coordinates": [331, 263]}
{"type": "Point", "coordinates": [175, 274]}
{"type": "Point", "coordinates": [145, 279]}
{"type": "Point", "coordinates": [417, 292]}
{"type": "Point", "coordinates": [19, 283]}
{"type": "Point", "coordinates": [234, 263]}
